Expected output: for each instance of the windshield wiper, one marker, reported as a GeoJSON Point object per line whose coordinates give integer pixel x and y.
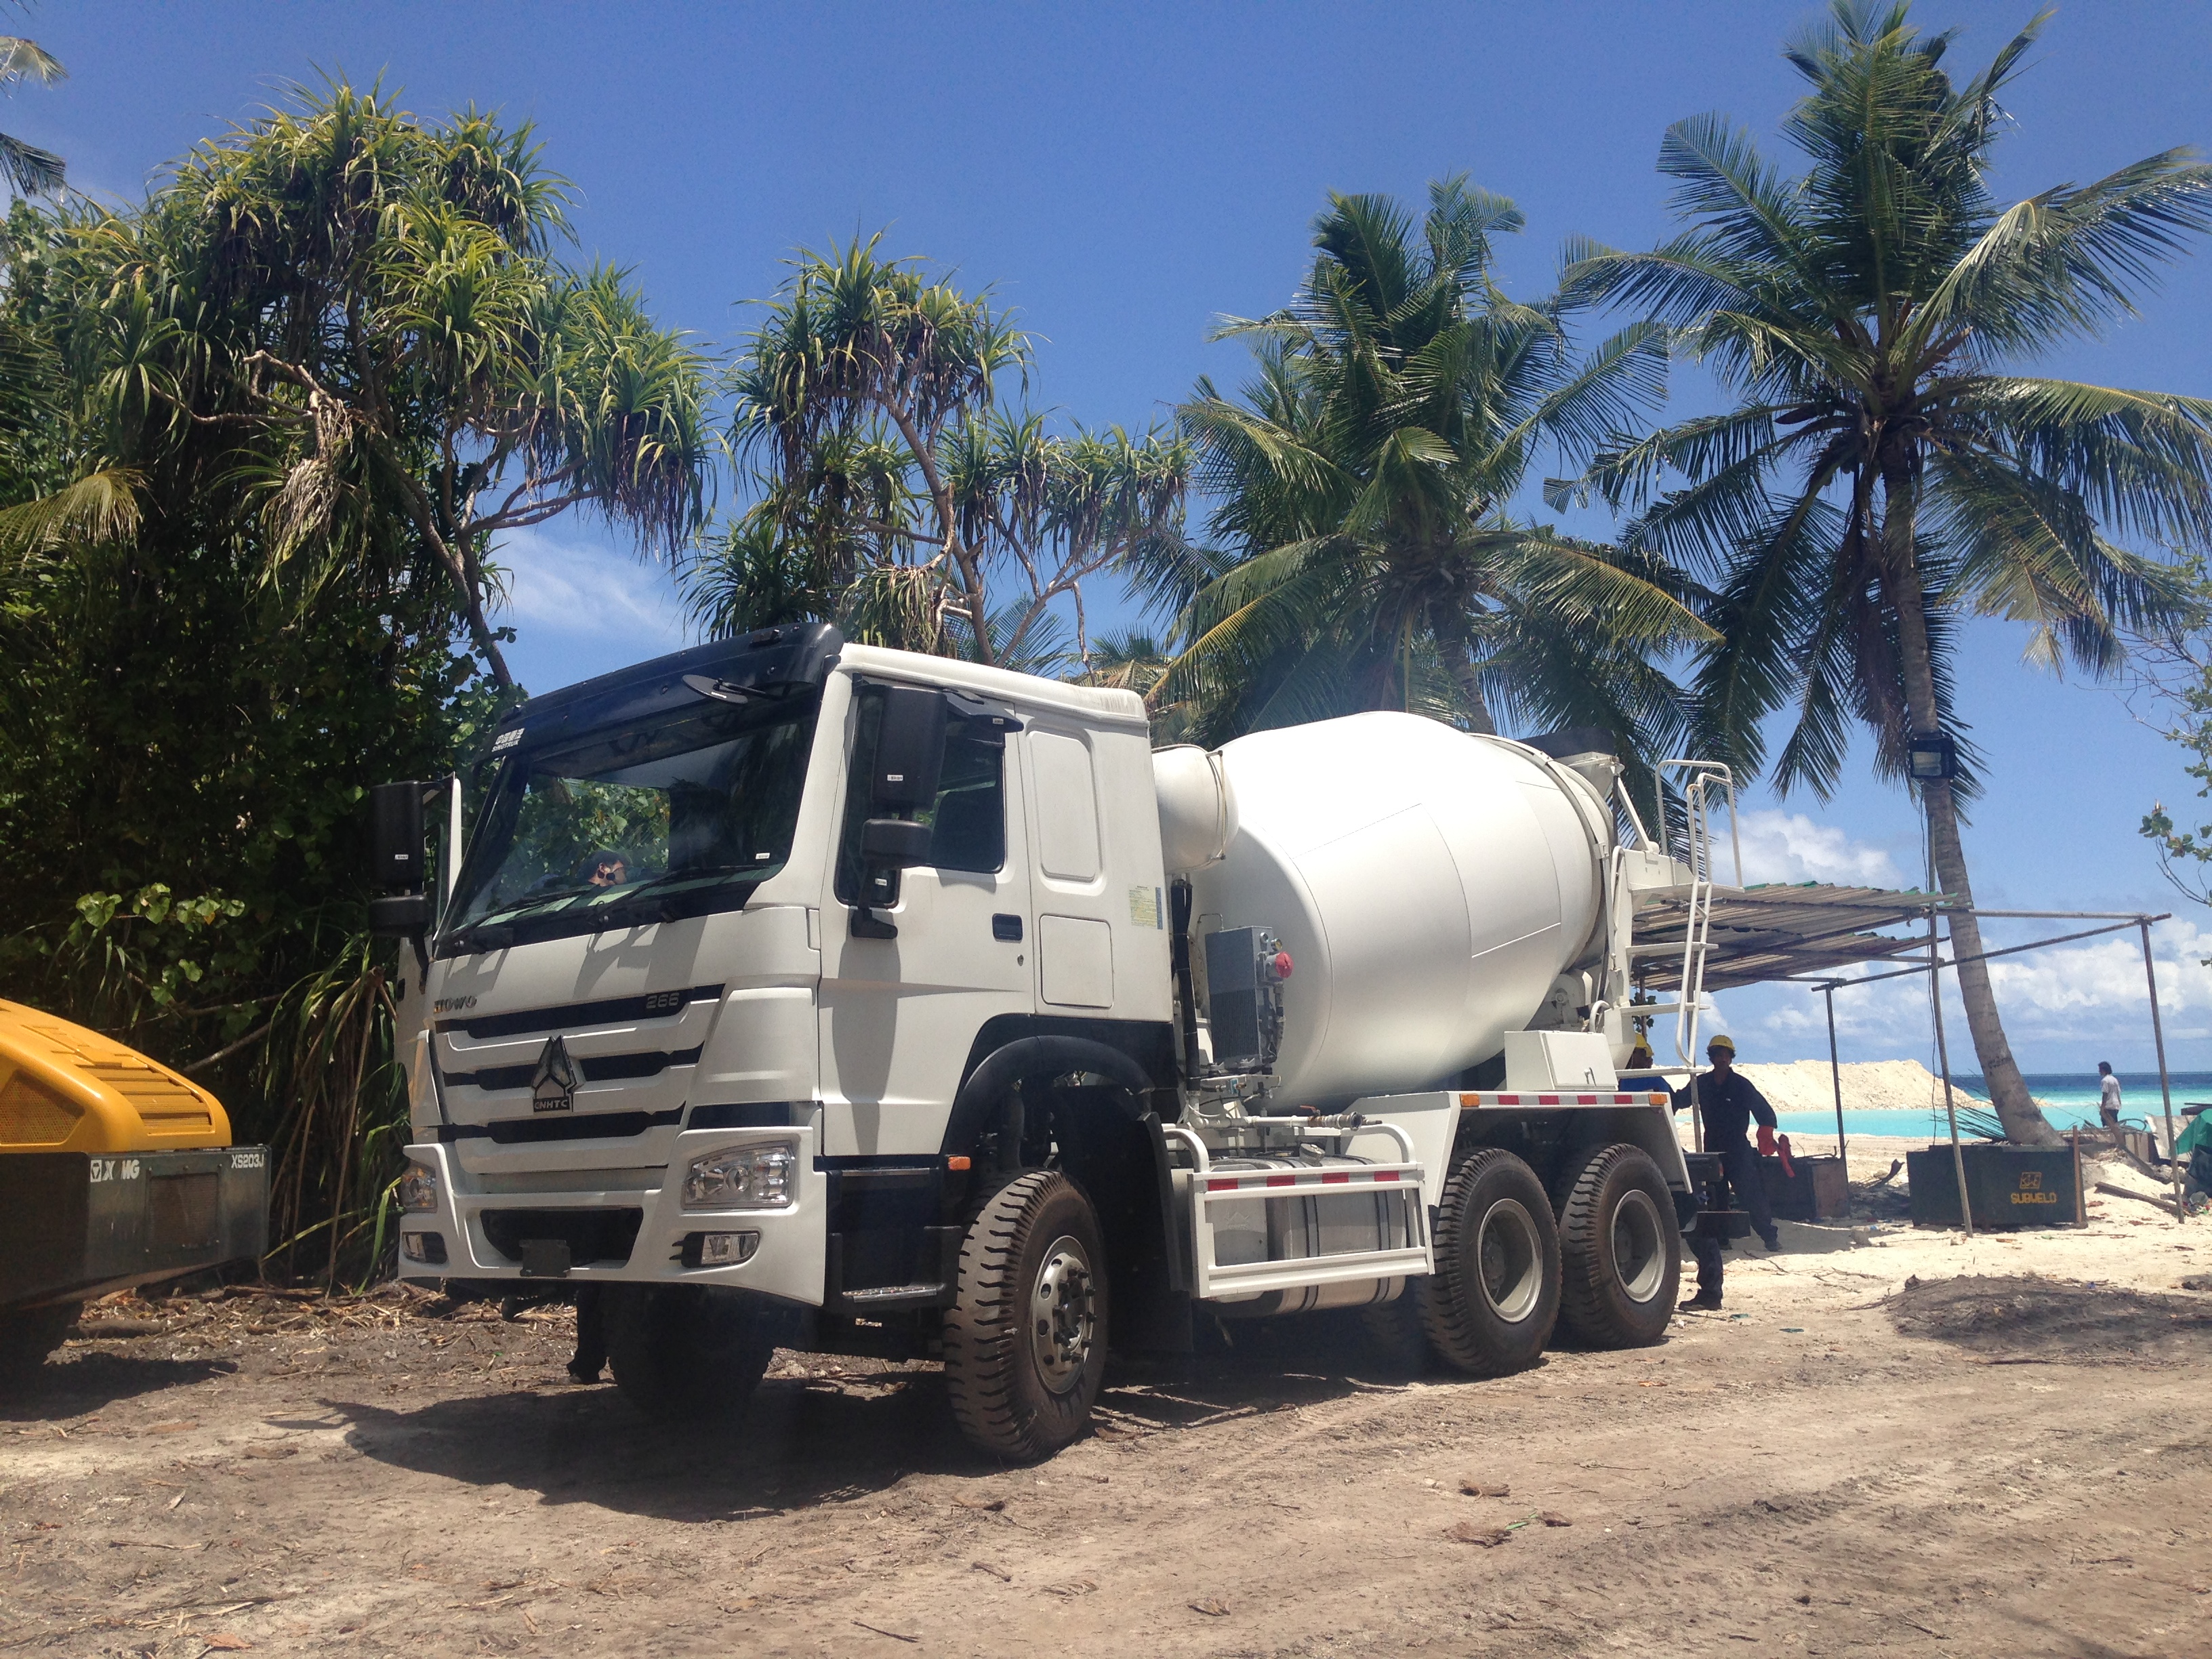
{"type": "Point", "coordinates": [645, 905]}
{"type": "Point", "coordinates": [496, 932]}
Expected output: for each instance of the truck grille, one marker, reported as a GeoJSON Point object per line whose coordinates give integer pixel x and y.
{"type": "Point", "coordinates": [594, 1068]}
{"type": "Point", "coordinates": [592, 1126]}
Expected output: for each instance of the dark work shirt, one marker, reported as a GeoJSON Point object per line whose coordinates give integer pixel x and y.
{"type": "Point", "coordinates": [1729, 1107]}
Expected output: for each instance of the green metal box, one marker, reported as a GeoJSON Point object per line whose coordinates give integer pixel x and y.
{"type": "Point", "coordinates": [2007, 1186]}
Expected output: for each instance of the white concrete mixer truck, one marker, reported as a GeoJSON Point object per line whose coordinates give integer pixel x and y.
{"type": "Point", "coordinates": [793, 992]}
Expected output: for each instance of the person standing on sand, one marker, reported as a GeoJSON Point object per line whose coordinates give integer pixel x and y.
{"type": "Point", "coordinates": [1728, 1102]}
{"type": "Point", "coordinates": [2108, 1091]}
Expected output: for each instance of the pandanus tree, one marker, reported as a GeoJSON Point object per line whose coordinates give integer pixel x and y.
{"type": "Point", "coordinates": [892, 492]}
{"type": "Point", "coordinates": [1884, 474]}
{"type": "Point", "coordinates": [1366, 483]}
{"type": "Point", "coordinates": [352, 325]}
{"type": "Point", "coordinates": [259, 437]}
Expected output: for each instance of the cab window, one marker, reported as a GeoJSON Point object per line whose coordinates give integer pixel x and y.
{"type": "Point", "coordinates": [968, 819]}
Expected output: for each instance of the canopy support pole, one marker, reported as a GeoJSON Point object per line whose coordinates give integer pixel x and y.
{"type": "Point", "coordinates": [1835, 1074]}
{"type": "Point", "coordinates": [1943, 1058]}
{"type": "Point", "coordinates": [2165, 1084]}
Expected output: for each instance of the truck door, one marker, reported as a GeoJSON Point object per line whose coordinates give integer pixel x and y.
{"type": "Point", "coordinates": [899, 1015]}
{"type": "Point", "coordinates": [1074, 953]}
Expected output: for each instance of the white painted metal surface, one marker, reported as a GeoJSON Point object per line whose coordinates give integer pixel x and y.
{"type": "Point", "coordinates": [1208, 1191]}
{"type": "Point", "coordinates": [1429, 886]}
{"type": "Point", "coordinates": [1198, 809]}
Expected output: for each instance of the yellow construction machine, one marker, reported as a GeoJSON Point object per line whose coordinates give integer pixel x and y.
{"type": "Point", "coordinates": [114, 1172]}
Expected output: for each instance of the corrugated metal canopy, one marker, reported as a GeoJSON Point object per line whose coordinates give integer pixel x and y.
{"type": "Point", "coordinates": [1777, 932]}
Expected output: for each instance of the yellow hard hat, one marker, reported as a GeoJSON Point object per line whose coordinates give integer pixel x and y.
{"type": "Point", "coordinates": [1722, 1042]}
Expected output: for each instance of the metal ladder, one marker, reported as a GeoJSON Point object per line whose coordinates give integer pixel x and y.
{"type": "Point", "coordinates": [1697, 936]}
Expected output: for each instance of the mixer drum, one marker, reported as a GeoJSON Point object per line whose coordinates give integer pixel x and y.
{"type": "Point", "coordinates": [1428, 884]}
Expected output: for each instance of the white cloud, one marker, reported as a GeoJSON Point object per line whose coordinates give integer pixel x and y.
{"type": "Point", "coordinates": [576, 589]}
{"type": "Point", "coordinates": [1789, 847]}
{"type": "Point", "coordinates": [2088, 988]}
{"type": "Point", "coordinates": [2087, 993]}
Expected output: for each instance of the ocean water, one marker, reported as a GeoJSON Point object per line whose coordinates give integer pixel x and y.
{"type": "Point", "coordinates": [2070, 1102]}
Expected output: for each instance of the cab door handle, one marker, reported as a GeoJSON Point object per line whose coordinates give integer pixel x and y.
{"type": "Point", "coordinates": [1006, 928]}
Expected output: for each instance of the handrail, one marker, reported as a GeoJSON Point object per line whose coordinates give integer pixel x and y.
{"type": "Point", "coordinates": [1197, 1147]}
{"type": "Point", "coordinates": [1702, 772]}
{"type": "Point", "coordinates": [1347, 1130]}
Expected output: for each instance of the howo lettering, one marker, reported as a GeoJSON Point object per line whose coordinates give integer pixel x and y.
{"type": "Point", "coordinates": [794, 993]}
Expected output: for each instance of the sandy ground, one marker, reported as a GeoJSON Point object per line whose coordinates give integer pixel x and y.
{"type": "Point", "coordinates": [1920, 1446]}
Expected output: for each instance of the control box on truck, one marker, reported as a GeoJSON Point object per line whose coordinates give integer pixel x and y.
{"type": "Point", "coordinates": [796, 992]}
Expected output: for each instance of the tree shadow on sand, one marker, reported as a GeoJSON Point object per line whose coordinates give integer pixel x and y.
{"type": "Point", "coordinates": [87, 1382]}
{"type": "Point", "coordinates": [838, 1431]}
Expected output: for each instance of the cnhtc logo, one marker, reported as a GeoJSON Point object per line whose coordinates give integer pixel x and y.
{"type": "Point", "coordinates": [553, 1086]}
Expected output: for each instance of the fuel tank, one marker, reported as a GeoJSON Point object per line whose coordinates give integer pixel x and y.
{"type": "Point", "coordinates": [1429, 885]}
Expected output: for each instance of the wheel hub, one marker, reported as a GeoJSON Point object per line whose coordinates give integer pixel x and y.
{"type": "Point", "coordinates": [1639, 1247]}
{"type": "Point", "coordinates": [1509, 1261]}
{"type": "Point", "coordinates": [1063, 1315]}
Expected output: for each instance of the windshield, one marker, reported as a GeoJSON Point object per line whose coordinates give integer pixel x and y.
{"type": "Point", "coordinates": [679, 818]}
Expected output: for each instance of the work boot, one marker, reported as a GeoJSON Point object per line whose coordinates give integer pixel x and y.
{"type": "Point", "coordinates": [1703, 1302]}
{"type": "Point", "coordinates": [1773, 1243]}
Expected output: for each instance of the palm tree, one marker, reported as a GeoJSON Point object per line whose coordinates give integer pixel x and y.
{"type": "Point", "coordinates": [893, 493]}
{"type": "Point", "coordinates": [1883, 477]}
{"type": "Point", "coordinates": [1365, 481]}
{"type": "Point", "coordinates": [29, 170]}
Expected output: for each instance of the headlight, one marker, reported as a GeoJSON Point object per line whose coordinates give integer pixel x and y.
{"type": "Point", "coordinates": [418, 1189]}
{"type": "Point", "coordinates": [755, 1177]}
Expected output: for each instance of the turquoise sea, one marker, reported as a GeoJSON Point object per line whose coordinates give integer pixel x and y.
{"type": "Point", "coordinates": [2070, 1097]}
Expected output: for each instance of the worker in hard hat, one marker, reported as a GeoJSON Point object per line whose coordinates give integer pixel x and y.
{"type": "Point", "coordinates": [1729, 1104]}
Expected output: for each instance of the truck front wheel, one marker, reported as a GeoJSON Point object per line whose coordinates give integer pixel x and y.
{"type": "Point", "coordinates": [685, 1353]}
{"type": "Point", "coordinates": [1620, 1250]}
{"type": "Point", "coordinates": [1490, 1306]}
{"type": "Point", "coordinates": [1026, 1344]}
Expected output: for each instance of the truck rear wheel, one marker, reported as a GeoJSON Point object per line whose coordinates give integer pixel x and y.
{"type": "Point", "coordinates": [1490, 1306]}
{"type": "Point", "coordinates": [1026, 1344]}
{"type": "Point", "coordinates": [29, 1335]}
{"type": "Point", "coordinates": [685, 1353]}
{"type": "Point", "coordinates": [1620, 1248]}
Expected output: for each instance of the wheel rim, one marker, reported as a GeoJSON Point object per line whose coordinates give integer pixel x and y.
{"type": "Point", "coordinates": [1509, 1261]}
{"type": "Point", "coordinates": [1063, 1315]}
{"type": "Point", "coordinates": [1639, 1248]}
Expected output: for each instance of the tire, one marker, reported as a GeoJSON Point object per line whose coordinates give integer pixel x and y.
{"type": "Point", "coordinates": [685, 1353]}
{"type": "Point", "coordinates": [29, 1335]}
{"type": "Point", "coordinates": [1491, 1304]}
{"type": "Point", "coordinates": [1395, 1331]}
{"type": "Point", "coordinates": [1025, 1343]}
{"type": "Point", "coordinates": [1620, 1250]}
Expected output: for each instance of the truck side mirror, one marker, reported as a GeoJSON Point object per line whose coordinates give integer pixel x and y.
{"type": "Point", "coordinates": [909, 750]}
{"type": "Point", "coordinates": [400, 908]}
{"type": "Point", "coordinates": [900, 843]}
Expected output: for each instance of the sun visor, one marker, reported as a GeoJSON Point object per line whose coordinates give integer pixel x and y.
{"type": "Point", "coordinates": [763, 663]}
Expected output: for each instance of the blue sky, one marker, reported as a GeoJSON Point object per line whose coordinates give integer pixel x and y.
{"type": "Point", "coordinates": [1124, 174]}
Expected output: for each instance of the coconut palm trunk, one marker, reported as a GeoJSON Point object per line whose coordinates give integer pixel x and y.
{"type": "Point", "coordinates": [2024, 1123]}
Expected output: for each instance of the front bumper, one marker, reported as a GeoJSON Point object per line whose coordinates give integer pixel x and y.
{"type": "Point", "coordinates": [633, 1230]}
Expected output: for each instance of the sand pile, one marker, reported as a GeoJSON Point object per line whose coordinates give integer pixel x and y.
{"type": "Point", "coordinates": [1805, 1086]}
